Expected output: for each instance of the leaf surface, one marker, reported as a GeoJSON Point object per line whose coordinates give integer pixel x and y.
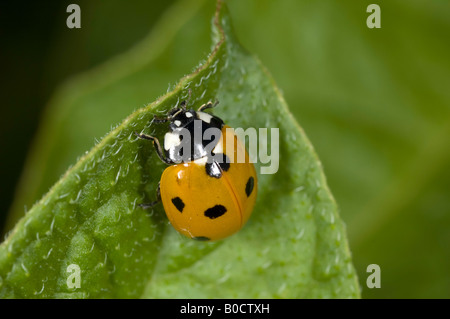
{"type": "Point", "coordinates": [294, 245]}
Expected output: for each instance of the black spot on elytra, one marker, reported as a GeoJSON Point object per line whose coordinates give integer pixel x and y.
{"type": "Point", "coordinates": [216, 168]}
{"type": "Point", "coordinates": [249, 186]}
{"type": "Point", "coordinates": [178, 203]}
{"type": "Point", "coordinates": [201, 238]}
{"type": "Point", "coordinates": [215, 211]}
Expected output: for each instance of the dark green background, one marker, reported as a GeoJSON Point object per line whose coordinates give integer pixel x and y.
{"type": "Point", "coordinates": [374, 102]}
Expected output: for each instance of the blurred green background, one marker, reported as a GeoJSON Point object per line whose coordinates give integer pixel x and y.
{"type": "Point", "coordinates": [374, 102]}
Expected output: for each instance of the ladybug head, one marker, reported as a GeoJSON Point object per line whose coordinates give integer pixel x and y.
{"type": "Point", "coordinates": [180, 117]}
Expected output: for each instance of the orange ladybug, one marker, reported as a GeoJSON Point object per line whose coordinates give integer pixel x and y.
{"type": "Point", "coordinates": [206, 193]}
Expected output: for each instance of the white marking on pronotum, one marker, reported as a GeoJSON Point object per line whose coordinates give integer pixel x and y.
{"type": "Point", "coordinates": [188, 114]}
{"type": "Point", "coordinates": [200, 161]}
{"type": "Point", "coordinates": [171, 140]}
{"type": "Point", "coordinates": [177, 123]}
{"type": "Point", "coordinates": [218, 148]}
{"type": "Point", "coordinates": [205, 117]}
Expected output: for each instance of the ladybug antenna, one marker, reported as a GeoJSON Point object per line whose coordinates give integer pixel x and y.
{"type": "Point", "coordinates": [208, 105]}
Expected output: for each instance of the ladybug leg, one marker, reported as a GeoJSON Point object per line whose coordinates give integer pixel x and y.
{"type": "Point", "coordinates": [157, 146]}
{"type": "Point", "coordinates": [172, 114]}
{"type": "Point", "coordinates": [158, 199]}
{"type": "Point", "coordinates": [157, 119]}
{"type": "Point", "coordinates": [183, 105]}
{"type": "Point", "coordinates": [208, 105]}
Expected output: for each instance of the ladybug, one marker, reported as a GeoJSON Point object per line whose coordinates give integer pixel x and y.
{"type": "Point", "coordinates": [205, 195]}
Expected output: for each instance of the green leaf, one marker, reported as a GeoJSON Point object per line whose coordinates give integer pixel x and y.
{"type": "Point", "coordinates": [294, 245]}
{"type": "Point", "coordinates": [375, 104]}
